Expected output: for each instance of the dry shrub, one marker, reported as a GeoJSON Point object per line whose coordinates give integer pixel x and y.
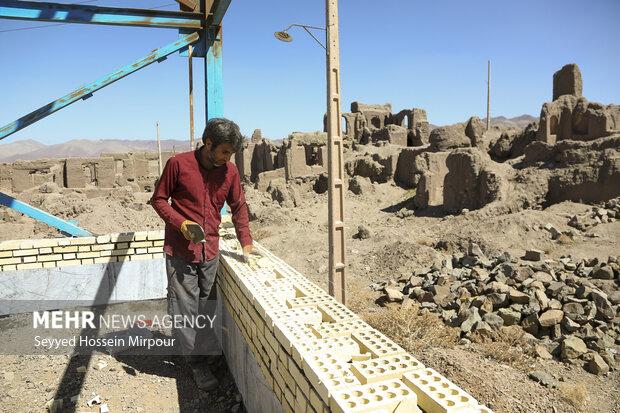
{"type": "Point", "coordinates": [508, 347]}
{"type": "Point", "coordinates": [565, 239]}
{"type": "Point", "coordinates": [411, 330]}
{"type": "Point", "coordinates": [576, 394]}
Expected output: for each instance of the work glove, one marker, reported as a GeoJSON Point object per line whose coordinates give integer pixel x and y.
{"type": "Point", "coordinates": [191, 231]}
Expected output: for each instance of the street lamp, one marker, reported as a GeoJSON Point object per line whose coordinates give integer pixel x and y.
{"type": "Point", "coordinates": [335, 162]}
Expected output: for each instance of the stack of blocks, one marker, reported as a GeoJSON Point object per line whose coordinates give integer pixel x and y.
{"type": "Point", "coordinates": [314, 353]}
{"type": "Point", "coordinates": [61, 252]}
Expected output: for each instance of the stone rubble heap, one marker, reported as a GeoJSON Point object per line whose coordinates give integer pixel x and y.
{"type": "Point", "coordinates": [568, 308]}
{"type": "Point", "coordinates": [609, 212]}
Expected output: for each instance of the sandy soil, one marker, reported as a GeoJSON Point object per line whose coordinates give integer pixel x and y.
{"type": "Point", "coordinates": [495, 373]}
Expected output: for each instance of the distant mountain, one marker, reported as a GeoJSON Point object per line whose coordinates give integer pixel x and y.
{"type": "Point", "coordinates": [519, 122]}
{"type": "Point", "coordinates": [30, 149]}
{"type": "Point", "coordinates": [11, 149]}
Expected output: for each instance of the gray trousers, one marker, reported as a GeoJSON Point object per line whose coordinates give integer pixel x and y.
{"type": "Point", "coordinates": [189, 285]}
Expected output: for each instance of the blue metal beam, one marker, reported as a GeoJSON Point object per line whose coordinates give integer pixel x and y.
{"type": "Point", "coordinates": [214, 90]}
{"type": "Point", "coordinates": [49, 219]}
{"type": "Point", "coordinates": [81, 13]}
{"type": "Point", "coordinates": [85, 91]}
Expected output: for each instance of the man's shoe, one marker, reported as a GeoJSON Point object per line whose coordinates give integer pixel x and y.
{"type": "Point", "coordinates": [204, 379]}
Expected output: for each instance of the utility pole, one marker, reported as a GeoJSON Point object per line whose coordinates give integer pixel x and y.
{"type": "Point", "coordinates": [488, 94]}
{"type": "Point", "coordinates": [190, 53]}
{"type": "Point", "coordinates": [159, 166]}
{"type": "Point", "coordinates": [335, 164]}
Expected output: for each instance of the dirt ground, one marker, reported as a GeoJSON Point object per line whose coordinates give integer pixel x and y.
{"type": "Point", "coordinates": [496, 373]}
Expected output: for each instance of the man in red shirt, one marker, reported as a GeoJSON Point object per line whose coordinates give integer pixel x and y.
{"type": "Point", "coordinates": [198, 183]}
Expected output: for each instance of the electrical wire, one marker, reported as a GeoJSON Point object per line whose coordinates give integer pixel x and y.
{"type": "Point", "coordinates": [64, 24]}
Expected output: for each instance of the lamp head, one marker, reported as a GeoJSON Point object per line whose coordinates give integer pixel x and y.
{"type": "Point", "coordinates": [283, 36]}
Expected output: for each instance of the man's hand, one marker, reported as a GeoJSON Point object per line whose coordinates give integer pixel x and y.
{"type": "Point", "coordinates": [187, 233]}
{"type": "Point", "coordinates": [247, 250]}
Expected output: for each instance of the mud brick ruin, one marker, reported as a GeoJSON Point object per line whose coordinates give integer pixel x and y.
{"type": "Point", "coordinates": [138, 170]}
{"type": "Point", "coordinates": [571, 116]}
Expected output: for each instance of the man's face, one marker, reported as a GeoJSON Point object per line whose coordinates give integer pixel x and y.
{"type": "Point", "coordinates": [220, 155]}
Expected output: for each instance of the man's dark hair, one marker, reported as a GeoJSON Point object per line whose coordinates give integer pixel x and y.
{"type": "Point", "coordinates": [221, 130]}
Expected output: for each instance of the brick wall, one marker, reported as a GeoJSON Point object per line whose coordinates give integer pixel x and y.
{"type": "Point", "coordinates": [318, 356]}
{"type": "Point", "coordinates": [61, 252]}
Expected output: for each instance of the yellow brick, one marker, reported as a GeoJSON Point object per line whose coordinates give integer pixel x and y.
{"type": "Point", "coordinates": [103, 239]}
{"type": "Point", "coordinates": [159, 256]}
{"type": "Point", "coordinates": [10, 245]}
{"type": "Point", "coordinates": [155, 235]}
{"type": "Point", "coordinates": [21, 253]}
{"type": "Point", "coordinates": [83, 241]}
{"type": "Point", "coordinates": [30, 259]}
{"type": "Point", "coordinates": [84, 248]}
{"type": "Point", "coordinates": [88, 261]}
{"type": "Point", "coordinates": [289, 396]}
{"type": "Point", "coordinates": [376, 343]}
{"type": "Point", "coordinates": [104, 260]}
{"type": "Point", "coordinates": [301, 401]}
{"type": "Point", "coordinates": [141, 251]}
{"type": "Point", "coordinates": [9, 261]}
{"type": "Point", "coordinates": [102, 247]}
{"type": "Point", "coordinates": [66, 249]}
{"type": "Point", "coordinates": [122, 258]}
{"type": "Point", "coordinates": [123, 252]}
{"type": "Point", "coordinates": [315, 400]}
{"type": "Point", "coordinates": [52, 257]}
{"type": "Point", "coordinates": [300, 379]}
{"type": "Point", "coordinates": [43, 243]}
{"type": "Point", "coordinates": [9, 267]}
{"type": "Point", "coordinates": [287, 407]}
{"type": "Point", "coordinates": [63, 242]}
{"type": "Point", "coordinates": [25, 244]}
{"type": "Point", "coordinates": [6, 254]}
{"type": "Point", "coordinates": [122, 237]}
{"type": "Point", "coordinates": [30, 266]}
{"type": "Point", "coordinates": [158, 243]}
{"type": "Point", "coordinates": [46, 250]}
{"type": "Point", "coordinates": [121, 246]}
{"type": "Point", "coordinates": [153, 250]}
{"type": "Point", "coordinates": [68, 256]}
{"type": "Point", "coordinates": [140, 244]}
{"type": "Point", "coordinates": [82, 255]}
{"type": "Point", "coordinates": [384, 368]}
{"type": "Point", "coordinates": [66, 263]}
{"type": "Point", "coordinates": [388, 396]}
{"type": "Point", "coordinates": [140, 236]}
{"type": "Point", "coordinates": [51, 264]}
{"type": "Point", "coordinates": [142, 257]}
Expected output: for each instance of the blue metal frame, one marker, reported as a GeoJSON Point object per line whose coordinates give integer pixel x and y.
{"type": "Point", "coordinates": [81, 13]}
{"type": "Point", "coordinates": [49, 219]}
{"type": "Point", "coordinates": [87, 90]}
{"type": "Point", "coordinates": [214, 91]}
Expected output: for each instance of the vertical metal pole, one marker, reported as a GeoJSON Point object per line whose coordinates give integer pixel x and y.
{"type": "Point", "coordinates": [159, 163]}
{"type": "Point", "coordinates": [335, 164]}
{"type": "Point", "coordinates": [488, 94]}
{"type": "Point", "coordinates": [213, 73]}
{"type": "Point", "coordinates": [190, 53]}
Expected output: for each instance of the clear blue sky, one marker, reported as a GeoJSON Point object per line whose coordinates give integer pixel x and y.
{"type": "Point", "coordinates": [424, 54]}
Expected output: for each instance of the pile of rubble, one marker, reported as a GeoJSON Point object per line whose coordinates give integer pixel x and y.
{"type": "Point", "coordinates": [609, 212]}
{"type": "Point", "coordinates": [568, 308]}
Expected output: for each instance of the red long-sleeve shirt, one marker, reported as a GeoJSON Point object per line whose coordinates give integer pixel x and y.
{"type": "Point", "coordinates": [198, 194]}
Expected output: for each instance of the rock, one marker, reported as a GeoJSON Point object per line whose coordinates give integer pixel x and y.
{"type": "Point", "coordinates": [493, 320]}
{"type": "Point", "coordinates": [360, 185]}
{"type": "Point", "coordinates": [542, 352]}
{"type": "Point", "coordinates": [472, 318]}
{"type": "Point", "coordinates": [54, 405]}
{"type": "Point", "coordinates": [363, 232]}
{"type": "Point", "coordinates": [543, 378]}
{"type": "Point", "coordinates": [569, 325]}
{"type": "Point", "coordinates": [574, 311]}
{"type": "Point", "coordinates": [415, 281]}
{"type": "Point", "coordinates": [393, 294]}
{"type": "Point", "coordinates": [542, 299]}
{"type": "Point", "coordinates": [603, 306]}
{"type": "Point", "coordinates": [550, 318]}
{"type": "Point", "coordinates": [572, 347]}
{"type": "Point", "coordinates": [510, 316]}
{"type": "Point", "coordinates": [498, 300]}
{"type": "Point", "coordinates": [604, 272]}
{"type": "Point", "coordinates": [596, 365]}
{"type": "Point", "coordinates": [517, 296]}
{"type": "Point", "coordinates": [555, 233]}
{"type": "Point", "coordinates": [104, 408]}
{"type": "Point", "coordinates": [614, 297]}
{"type": "Point", "coordinates": [474, 250]}
{"type": "Point", "coordinates": [534, 255]}
{"type": "Point", "coordinates": [543, 277]}
{"type": "Point", "coordinates": [530, 324]}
